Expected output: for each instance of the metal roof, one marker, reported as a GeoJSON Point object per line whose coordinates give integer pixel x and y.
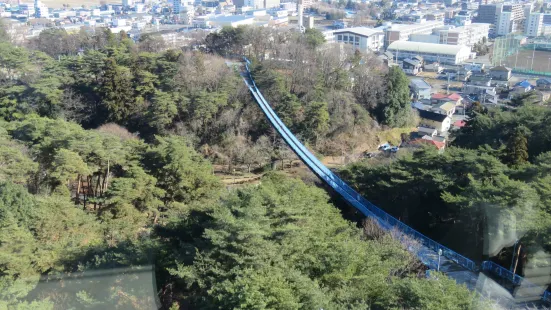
{"type": "Point", "coordinates": [361, 31]}
{"type": "Point", "coordinates": [421, 47]}
{"type": "Point", "coordinates": [420, 83]}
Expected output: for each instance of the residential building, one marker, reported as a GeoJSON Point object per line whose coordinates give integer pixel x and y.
{"type": "Point", "coordinates": [424, 131]}
{"type": "Point", "coordinates": [446, 108]}
{"type": "Point", "coordinates": [402, 32]}
{"type": "Point", "coordinates": [474, 67]}
{"type": "Point", "coordinates": [411, 66]}
{"type": "Point", "coordinates": [500, 73]}
{"type": "Point", "coordinates": [436, 15]}
{"type": "Point", "coordinates": [544, 83]}
{"type": "Point", "coordinates": [486, 94]}
{"type": "Point", "coordinates": [446, 54]}
{"type": "Point", "coordinates": [420, 89]}
{"type": "Point", "coordinates": [363, 38]}
{"type": "Point", "coordinates": [480, 80]}
{"type": "Point", "coordinates": [130, 3]}
{"type": "Point", "coordinates": [534, 25]}
{"type": "Point", "coordinates": [430, 119]}
{"type": "Point", "coordinates": [433, 67]}
{"type": "Point", "coordinates": [523, 86]}
{"type": "Point", "coordinates": [510, 18]}
{"type": "Point", "coordinates": [439, 98]}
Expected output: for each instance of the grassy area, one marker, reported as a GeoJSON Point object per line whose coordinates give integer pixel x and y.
{"type": "Point", "coordinates": [393, 135]}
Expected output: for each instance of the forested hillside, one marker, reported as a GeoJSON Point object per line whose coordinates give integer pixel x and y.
{"type": "Point", "coordinates": [108, 197]}
{"type": "Point", "coordinates": [491, 187]}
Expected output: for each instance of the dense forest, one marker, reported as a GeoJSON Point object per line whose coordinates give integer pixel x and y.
{"type": "Point", "coordinates": [108, 197]}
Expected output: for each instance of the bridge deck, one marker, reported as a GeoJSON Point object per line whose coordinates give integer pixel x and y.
{"type": "Point", "coordinates": [456, 266]}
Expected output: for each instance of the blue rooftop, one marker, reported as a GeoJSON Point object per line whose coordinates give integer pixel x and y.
{"type": "Point", "coordinates": [524, 84]}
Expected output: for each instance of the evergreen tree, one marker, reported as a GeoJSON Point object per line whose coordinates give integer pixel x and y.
{"type": "Point", "coordinates": [396, 109]}
{"type": "Point", "coordinates": [116, 89]}
{"type": "Point", "coordinates": [517, 147]}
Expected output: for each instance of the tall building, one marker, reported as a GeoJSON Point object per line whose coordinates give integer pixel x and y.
{"type": "Point", "coordinates": [510, 18]}
{"type": "Point", "coordinates": [487, 13]}
{"type": "Point", "coordinates": [127, 3]}
{"type": "Point", "coordinates": [176, 6]}
{"type": "Point", "coordinates": [40, 10]}
{"type": "Point", "coordinates": [534, 25]}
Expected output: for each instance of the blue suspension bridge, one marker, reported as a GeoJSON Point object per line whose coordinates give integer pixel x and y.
{"type": "Point", "coordinates": [432, 254]}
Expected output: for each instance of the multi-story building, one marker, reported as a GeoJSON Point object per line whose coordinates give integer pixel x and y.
{"type": "Point", "coordinates": [402, 32]}
{"type": "Point", "coordinates": [362, 38]}
{"type": "Point", "coordinates": [176, 6]}
{"type": "Point", "coordinates": [487, 14]}
{"type": "Point", "coordinates": [534, 25]}
{"type": "Point", "coordinates": [268, 4]}
{"type": "Point", "coordinates": [40, 10]}
{"type": "Point", "coordinates": [464, 35]}
{"type": "Point", "coordinates": [129, 3]}
{"type": "Point", "coordinates": [510, 18]}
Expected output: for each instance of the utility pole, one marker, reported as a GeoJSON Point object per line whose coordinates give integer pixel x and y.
{"type": "Point", "coordinates": [439, 256]}
{"type": "Point", "coordinates": [301, 17]}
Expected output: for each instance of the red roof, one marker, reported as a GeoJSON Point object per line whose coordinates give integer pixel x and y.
{"type": "Point", "coordinates": [453, 96]}
{"type": "Point", "coordinates": [439, 145]}
{"type": "Point", "coordinates": [459, 123]}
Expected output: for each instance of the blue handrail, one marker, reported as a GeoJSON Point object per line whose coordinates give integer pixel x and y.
{"type": "Point", "coordinates": [353, 197]}
{"type": "Point", "coordinates": [386, 220]}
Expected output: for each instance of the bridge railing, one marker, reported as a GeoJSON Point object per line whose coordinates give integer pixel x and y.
{"type": "Point", "coordinates": [386, 220]}
{"type": "Point", "coordinates": [366, 207]}
{"type": "Point", "coordinates": [513, 278]}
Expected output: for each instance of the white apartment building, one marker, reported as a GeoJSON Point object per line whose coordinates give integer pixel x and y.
{"type": "Point", "coordinates": [40, 10]}
{"type": "Point", "coordinates": [510, 18]}
{"type": "Point", "coordinates": [402, 32]}
{"type": "Point", "coordinates": [362, 38]}
{"type": "Point", "coordinates": [465, 35]}
{"type": "Point", "coordinates": [534, 25]}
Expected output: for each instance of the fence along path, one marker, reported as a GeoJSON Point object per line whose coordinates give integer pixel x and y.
{"type": "Point", "coordinates": [462, 269]}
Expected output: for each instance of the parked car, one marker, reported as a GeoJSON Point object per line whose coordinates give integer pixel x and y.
{"type": "Point", "coordinates": [385, 147]}
{"type": "Point", "coordinates": [394, 149]}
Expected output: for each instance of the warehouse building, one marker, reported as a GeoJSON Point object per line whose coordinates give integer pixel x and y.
{"type": "Point", "coordinates": [431, 52]}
